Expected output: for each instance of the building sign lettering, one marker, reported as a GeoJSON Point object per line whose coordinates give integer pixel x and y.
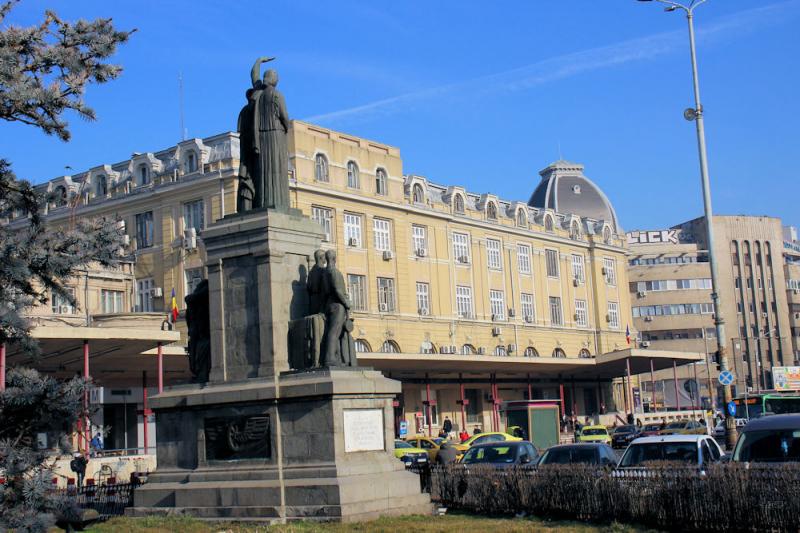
{"type": "Point", "coordinates": [663, 236]}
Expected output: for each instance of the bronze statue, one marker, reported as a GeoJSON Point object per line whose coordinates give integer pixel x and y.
{"type": "Point", "coordinates": [337, 313]}
{"type": "Point", "coordinates": [199, 325]}
{"type": "Point", "coordinates": [316, 284]}
{"type": "Point", "coordinates": [264, 149]}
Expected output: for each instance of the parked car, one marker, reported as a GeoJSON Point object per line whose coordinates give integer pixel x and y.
{"type": "Point", "coordinates": [685, 427]}
{"type": "Point", "coordinates": [623, 435]}
{"type": "Point", "coordinates": [501, 454]}
{"type": "Point", "coordinates": [770, 439]}
{"type": "Point", "coordinates": [409, 454]}
{"type": "Point", "coordinates": [483, 438]}
{"type": "Point", "coordinates": [651, 430]}
{"type": "Point", "coordinates": [585, 453]}
{"type": "Point", "coordinates": [594, 434]}
{"type": "Point", "coordinates": [690, 449]}
{"type": "Point", "coordinates": [429, 444]}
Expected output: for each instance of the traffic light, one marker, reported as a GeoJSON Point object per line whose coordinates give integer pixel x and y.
{"type": "Point", "coordinates": [717, 361]}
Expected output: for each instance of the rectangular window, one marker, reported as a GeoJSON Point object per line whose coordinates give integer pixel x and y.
{"type": "Point", "coordinates": [144, 230]}
{"type": "Point", "coordinates": [613, 315]}
{"type": "Point", "coordinates": [493, 257]}
{"type": "Point", "coordinates": [464, 301]}
{"type": "Point", "coordinates": [194, 215]}
{"type": "Point", "coordinates": [498, 305]}
{"type": "Point", "coordinates": [111, 301]}
{"type": "Point", "coordinates": [381, 231]}
{"type": "Point", "coordinates": [423, 299]}
{"type": "Point", "coordinates": [323, 216]}
{"type": "Point", "coordinates": [581, 316]}
{"type": "Point", "coordinates": [352, 230]}
{"type": "Point", "coordinates": [60, 305]}
{"type": "Point", "coordinates": [610, 270]}
{"type": "Point", "coordinates": [419, 240]}
{"type": "Point", "coordinates": [551, 261]}
{"type": "Point", "coordinates": [144, 295]}
{"type": "Point", "coordinates": [524, 258]}
{"type": "Point", "coordinates": [357, 289]}
{"type": "Point", "coordinates": [386, 296]}
{"type": "Point", "coordinates": [461, 247]}
{"type": "Point", "coordinates": [526, 302]}
{"type": "Point", "coordinates": [578, 271]}
{"type": "Point", "coordinates": [556, 318]}
{"type": "Point", "coordinates": [193, 278]}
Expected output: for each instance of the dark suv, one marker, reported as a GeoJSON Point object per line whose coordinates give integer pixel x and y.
{"type": "Point", "coordinates": [623, 435]}
{"type": "Point", "coordinates": [769, 439]}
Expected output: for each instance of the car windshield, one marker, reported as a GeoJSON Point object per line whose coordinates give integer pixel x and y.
{"type": "Point", "coordinates": [595, 431]}
{"type": "Point", "coordinates": [625, 429]}
{"type": "Point", "coordinates": [563, 456]}
{"type": "Point", "coordinates": [675, 425]}
{"type": "Point", "coordinates": [652, 427]}
{"type": "Point", "coordinates": [773, 446]}
{"type": "Point", "coordinates": [402, 444]}
{"type": "Point", "coordinates": [659, 451]}
{"type": "Point", "coordinates": [489, 454]}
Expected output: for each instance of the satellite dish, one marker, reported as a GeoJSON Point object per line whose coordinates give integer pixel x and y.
{"type": "Point", "coordinates": [690, 114]}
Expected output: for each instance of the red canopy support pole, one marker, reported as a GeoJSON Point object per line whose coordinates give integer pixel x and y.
{"type": "Point", "coordinates": [575, 399]}
{"type": "Point", "coordinates": [530, 389]}
{"type": "Point", "coordinates": [630, 385]}
{"type": "Point", "coordinates": [160, 368]}
{"type": "Point", "coordinates": [561, 395]}
{"type": "Point", "coordinates": [87, 428]}
{"type": "Point", "coordinates": [428, 418]}
{"type": "Point", "coordinates": [496, 403]}
{"type": "Point", "coordinates": [653, 385]}
{"type": "Point", "coordinates": [144, 408]}
{"type": "Point", "coordinates": [2, 366]}
{"type": "Point", "coordinates": [463, 413]}
{"type": "Point", "coordinates": [675, 379]}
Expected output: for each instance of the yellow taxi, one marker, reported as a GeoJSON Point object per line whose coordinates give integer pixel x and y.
{"type": "Point", "coordinates": [594, 434]}
{"type": "Point", "coordinates": [483, 438]}
{"type": "Point", "coordinates": [429, 444]}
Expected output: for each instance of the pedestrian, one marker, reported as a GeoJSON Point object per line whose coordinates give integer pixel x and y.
{"type": "Point", "coordinates": [78, 465]}
{"type": "Point", "coordinates": [447, 454]}
{"type": "Point", "coordinates": [442, 434]}
{"type": "Point", "coordinates": [476, 431]}
{"type": "Point", "coordinates": [447, 426]}
{"type": "Point", "coordinates": [463, 436]}
{"type": "Point", "coordinates": [96, 443]}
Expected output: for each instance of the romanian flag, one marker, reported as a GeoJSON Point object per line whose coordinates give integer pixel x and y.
{"type": "Point", "coordinates": [174, 309]}
{"type": "Point", "coordinates": [627, 328]}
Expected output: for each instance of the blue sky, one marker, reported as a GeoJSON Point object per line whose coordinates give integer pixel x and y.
{"type": "Point", "coordinates": [473, 93]}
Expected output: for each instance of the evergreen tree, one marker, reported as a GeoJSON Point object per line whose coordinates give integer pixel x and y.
{"type": "Point", "coordinates": [44, 71]}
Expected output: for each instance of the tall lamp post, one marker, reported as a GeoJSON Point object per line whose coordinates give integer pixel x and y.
{"type": "Point", "coordinates": [696, 114]}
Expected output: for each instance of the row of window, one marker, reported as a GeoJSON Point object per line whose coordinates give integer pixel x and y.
{"type": "Point", "coordinates": [193, 217]}
{"type": "Point", "coordinates": [668, 260]}
{"type": "Point", "coordinates": [737, 282]}
{"type": "Point", "coordinates": [111, 301]}
{"type": "Point", "coordinates": [673, 309]}
{"type": "Point", "coordinates": [673, 284]}
{"type": "Point", "coordinates": [322, 174]}
{"type": "Point", "coordinates": [391, 346]}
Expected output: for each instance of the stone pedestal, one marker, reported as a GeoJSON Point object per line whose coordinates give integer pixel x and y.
{"type": "Point", "coordinates": [259, 441]}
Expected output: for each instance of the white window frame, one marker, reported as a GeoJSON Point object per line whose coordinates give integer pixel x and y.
{"type": "Point", "coordinates": [527, 306]}
{"type": "Point", "coordinates": [613, 315]}
{"type": "Point", "coordinates": [145, 226]}
{"type": "Point", "coordinates": [112, 301]}
{"type": "Point", "coordinates": [352, 229]}
{"type": "Point", "coordinates": [381, 182]}
{"type": "Point", "coordinates": [423, 298]}
{"type": "Point", "coordinates": [581, 314]}
{"type": "Point", "coordinates": [551, 257]}
{"type": "Point", "coordinates": [382, 234]}
{"type": "Point", "coordinates": [524, 258]}
{"type": "Point", "coordinates": [357, 290]}
{"type": "Point", "coordinates": [464, 306]}
{"type": "Point", "coordinates": [57, 302]}
{"type": "Point", "coordinates": [321, 169]}
{"type": "Point", "coordinates": [461, 247]}
{"type": "Point", "coordinates": [144, 295]}
{"type": "Point", "coordinates": [610, 265]}
{"type": "Point", "coordinates": [324, 217]}
{"type": "Point", "coordinates": [578, 268]}
{"type": "Point", "coordinates": [353, 177]}
{"type": "Point", "coordinates": [494, 256]}
{"type": "Point", "coordinates": [497, 304]}
{"type": "Point", "coordinates": [386, 295]}
{"type": "Point", "coordinates": [556, 311]}
{"type": "Point", "coordinates": [194, 215]}
{"type": "Point", "coordinates": [419, 239]}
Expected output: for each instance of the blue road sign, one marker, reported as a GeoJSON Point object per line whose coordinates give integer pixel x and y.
{"type": "Point", "coordinates": [403, 428]}
{"type": "Point", "coordinates": [732, 408]}
{"type": "Point", "coordinates": [726, 377]}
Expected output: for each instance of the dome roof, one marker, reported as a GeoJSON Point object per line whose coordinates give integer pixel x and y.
{"type": "Point", "coordinates": [565, 189]}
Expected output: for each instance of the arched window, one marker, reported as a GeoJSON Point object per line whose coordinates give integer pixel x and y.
{"type": "Point", "coordinates": [321, 168]}
{"type": "Point", "coordinates": [468, 349]}
{"type": "Point", "coordinates": [458, 204]}
{"type": "Point", "coordinates": [60, 196]}
{"type": "Point", "coordinates": [558, 352]}
{"type": "Point", "coordinates": [101, 186]}
{"type": "Point", "coordinates": [427, 347]}
{"type": "Point", "coordinates": [143, 175]}
{"type": "Point", "coordinates": [362, 346]}
{"type": "Point", "coordinates": [500, 350]}
{"type": "Point", "coordinates": [574, 230]}
{"type": "Point", "coordinates": [530, 351]}
{"type": "Point", "coordinates": [491, 211]}
{"type": "Point", "coordinates": [390, 347]}
{"type": "Point", "coordinates": [548, 223]}
{"type": "Point", "coordinates": [584, 353]}
{"type": "Point", "coordinates": [190, 163]}
{"type": "Point", "coordinates": [381, 186]}
{"type": "Point", "coordinates": [353, 180]}
{"type": "Point", "coordinates": [522, 219]}
{"type": "Point", "coordinates": [607, 235]}
{"type": "Point", "coordinates": [418, 196]}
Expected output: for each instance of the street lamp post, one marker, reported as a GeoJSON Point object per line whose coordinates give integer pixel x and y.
{"type": "Point", "coordinates": [696, 115]}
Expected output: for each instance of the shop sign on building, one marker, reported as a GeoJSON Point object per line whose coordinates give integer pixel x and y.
{"type": "Point", "coordinates": [786, 378]}
{"type": "Point", "coordinates": [662, 236]}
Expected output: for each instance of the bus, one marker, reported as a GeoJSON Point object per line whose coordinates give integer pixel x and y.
{"type": "Point", "coordinates": [755, 405]}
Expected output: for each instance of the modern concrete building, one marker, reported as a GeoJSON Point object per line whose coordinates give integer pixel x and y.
{"type": "Point", "coordinates": [670, 284]}
{"type": "Point", "coordinates": [466, 298]}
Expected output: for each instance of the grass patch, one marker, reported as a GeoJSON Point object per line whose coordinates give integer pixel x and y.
{"type": "Point", "coordinates": [416, 523]}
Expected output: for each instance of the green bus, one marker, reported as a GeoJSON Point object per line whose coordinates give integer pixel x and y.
{"type": "Point", "coordinates": [755, 405]}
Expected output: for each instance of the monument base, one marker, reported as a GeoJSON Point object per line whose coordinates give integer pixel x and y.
{"type": "Point", "coordinates": [310, 445]}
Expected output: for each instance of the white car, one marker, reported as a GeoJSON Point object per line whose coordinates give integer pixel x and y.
{"type": "Point", "coordinates": [696, 450]}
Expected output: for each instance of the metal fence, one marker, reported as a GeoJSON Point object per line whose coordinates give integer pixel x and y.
{"type": "Point", "coordinates": [107, 500]}
{"type": "Point", "coordinates": [722, 498]}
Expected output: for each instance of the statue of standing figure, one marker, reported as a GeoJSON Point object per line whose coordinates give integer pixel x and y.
{"type": "Point", "coordinates": [199, 325]}
{"type": "Point", "coordinates": [338, 347]}
{"type": "Point", "coordinates": [263, 126]}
